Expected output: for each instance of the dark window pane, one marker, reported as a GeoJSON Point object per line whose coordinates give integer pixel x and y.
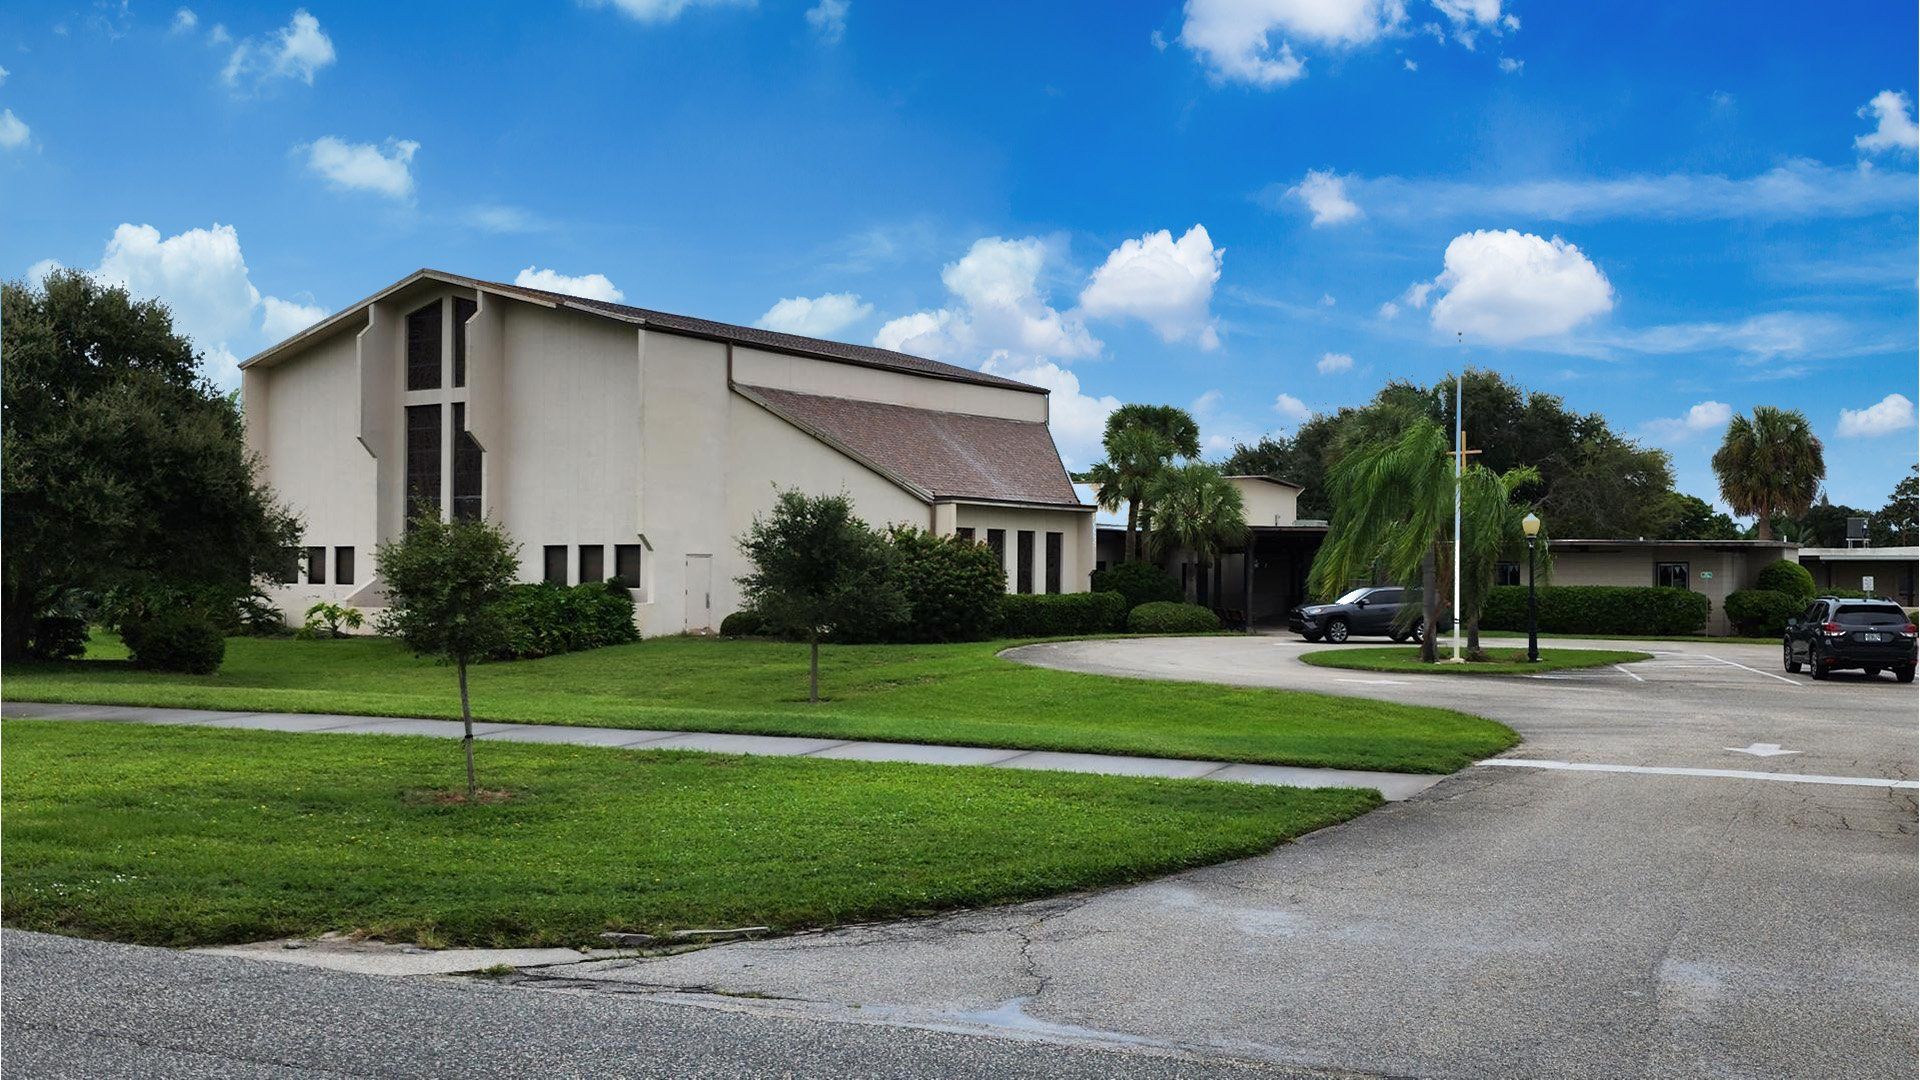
{"type": "Point", "coordinates": [1506, 573]}
{"type": "Point", "coordinates": [593, 566]}
{"type": "Point", "coordinates": [964, 534]}
{"type": "Point", "coordinates": [1055, 541]}
{"type": "Point", "coordinates": [1670, 575]}
{"type": "Point", "coordinates": [463, 310]}
{"type": "Point", "coordinates": [423, 460]}
{"type": "Point", "coordinates": [467, 458]}
{"type": "Point", "coordinates": [626, 564]}
{"type": "Point", "coordinates": [1864, 615]}
{"type": "Point", "coordinates": [1023, 569]}
{"type": "Point", "coordinates": [423, 348]}
{"type": "Point", "coordinates": [343, 566]}
{"type": "Point", "coordinates": [316, 566]}
{"type": "Point", "coordinates": [997, 540]}
{"type": "Point", "coordinates": [556, 564]}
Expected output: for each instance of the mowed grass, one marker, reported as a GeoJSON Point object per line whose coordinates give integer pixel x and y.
{"type": "Point", "coordinates": [1498, 662]}
{"type": "Point", "coordinates": [191, 836]}
{"type": "Point", "coordinates": [1701, 638]}
{"type": "Point", "coordinates": [960, 694]}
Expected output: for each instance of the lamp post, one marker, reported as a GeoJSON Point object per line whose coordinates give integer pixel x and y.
{"type": "Point", "coordinates": [1531, 524]}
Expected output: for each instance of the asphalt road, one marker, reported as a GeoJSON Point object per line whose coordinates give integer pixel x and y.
{"type": "Point", "coordinates": [1509, 922]}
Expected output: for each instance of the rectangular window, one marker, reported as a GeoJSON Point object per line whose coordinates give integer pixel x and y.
{"type": "Point", "coordinates": [467, 458]}
{"type": "Point", "coordinates": [423, 461]}
{"type": "Point", "coordinates": [964, 534]}
{"type": "Point", "coordinates": [343, 566]}
{"type": "Point", "coordinates": [1507, 573]}
{"type": "Point", "coordinates": [316, 566]}
{"type": "Point", "coordinates": [1670, 575]}
{"type": "Point", "coordinates": [423, 348]}
{"type": "Point", "coordinates": [1023, 569]}
{"type": "Point", "coordinates": [997, 540]}
{"type": "Point", "coordinates": [555, 571]}
{"type": "Point", "coordinates": [626, 564]}
{"type": "Point", "coordinates": [463, 310]}
{"type": "Point", "coordinates": [1055, 542]}
{"type": "Point", "coordinates": [593, 562]}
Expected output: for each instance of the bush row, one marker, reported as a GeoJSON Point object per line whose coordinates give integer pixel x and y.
{"type": "Point", "coordinates": [1599, 609]}
{"type": "Point", "coordinates": [545, 619]}
{"type": "Point", "coordinates": [1170, 617]}
{"type": "Point", "coordinates": [1139, 582]}
{"type": "Point", "coordinates": [1762, 612]}
{"type": "Point", "coordinates": [1061, 614]}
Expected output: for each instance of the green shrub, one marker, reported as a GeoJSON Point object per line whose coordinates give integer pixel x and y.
{"type": "Point", "coordinates": [1167, 617]}
{"type": "Point", "coordinates": [1599, 609]}
{"type": "Point", "coordinates": [58, 637]}
{"type": "Point", "coordinates": [546, 620]}
{"type": "Point", "coordinates": [1061, 614]}
{"type": "Point", "coordinates": [181, 639]}
{"type": "Point", "coordinates": [743, 623]}
{"type": "Point", "coordinates": [1762, 612]}
{"type": "Point", "coordinates": [953, 586]}
{"type": "Point", "coordinates": [1785, 576]}
{"type": "Point", "coordinates": [1139, 582]}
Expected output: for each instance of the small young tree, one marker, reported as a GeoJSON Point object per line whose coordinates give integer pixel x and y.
{"type": "Point", "coordinates": [817, 567]}
{"type": "Point", "coordinates": [444, 583]}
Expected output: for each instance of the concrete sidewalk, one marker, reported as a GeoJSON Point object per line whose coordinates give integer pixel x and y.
{"type": "Point", "coordinates": [1392, 786]}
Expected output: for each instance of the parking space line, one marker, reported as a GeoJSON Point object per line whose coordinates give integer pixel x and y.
{"type": "Point", "coordinates": [1622, 668]}
{"type": "Point", "coordinates": [1730, 774]}
{"type": "Point", "coordinates": [1757, 671]}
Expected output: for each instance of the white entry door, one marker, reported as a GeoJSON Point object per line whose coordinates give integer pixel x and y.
{"type": "Point", "coordinates": [699, 580]}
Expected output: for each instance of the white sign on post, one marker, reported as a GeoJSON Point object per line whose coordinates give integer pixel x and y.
{"type": "Point", "coordinates": [1866, 583]}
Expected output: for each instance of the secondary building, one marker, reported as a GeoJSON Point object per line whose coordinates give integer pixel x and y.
{"type": "Point", "coordinates": [616, 442]}
{"type": "Point", "coordinates": [1884, 571]}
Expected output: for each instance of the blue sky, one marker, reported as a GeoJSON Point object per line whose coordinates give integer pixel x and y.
{"type": "Point", "coordinates": [1664, 213]}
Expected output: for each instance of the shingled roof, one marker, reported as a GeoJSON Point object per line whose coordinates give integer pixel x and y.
{"type": "Point", "coordinates": [941, 455]}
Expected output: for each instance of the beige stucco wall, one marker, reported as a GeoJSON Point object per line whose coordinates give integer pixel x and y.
{"type": "Point", "coordinates": [1267, 503]}
{"type": "Point", "coordinates": [1731, 571]}
{"type": "Point", "coordinates": [1076, 543]}
{"type": "Point", "coordinates": [755, 367]}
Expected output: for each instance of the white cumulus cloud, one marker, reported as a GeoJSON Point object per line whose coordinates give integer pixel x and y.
{"type": "Point", "coordinates": [1703, 418]}
{"type": "Point", "coordinates": [1333, 362]}
{"type": "Point", "coordinates": [660, 11]}
{"type": "Point", "coordinates": [1076, 419]}
{"type": "Point", "coordinates": [817, 316]}
{"type": "Point", "coordinates": [1893, 129]}
{"type": "Point", "coordinates": [829, 20]}
{"type": "Point", "coordinates": [1291, 409]}
{"type": "Point", "coordinates": [295, 51]}
{"type": "Point", "coordinates": [999, 308]}
{"type": "Point", "coordinates": [14, 131]}
{"type": "Point", "coordinates": [1511, 66]}
{"type": "Point", "coordinates": [1163, 282]}
{"type": "Point", "coordinates": [1260, 42]}
{"type": "Point", "coordinates": [1890, 414]}
{"type": "Point", "coordinates": [385, 170]}
{"type": "Point", "coordinates": [281, 319]}
{"type": "Point", "coordinates": [1504, 286]}
{"type": "Point", "coordinates": [1326, 195]}
{"type": "Point", "coordinates": [588, 286]}
{"type": "Point", "coordinates": [184, 20]}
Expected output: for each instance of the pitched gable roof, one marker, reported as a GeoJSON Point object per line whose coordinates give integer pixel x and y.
{"type": "Point", "coordinates": [940, 455]}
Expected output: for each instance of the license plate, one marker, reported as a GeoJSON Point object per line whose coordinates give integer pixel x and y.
{"type": "Point", "coordinates": [1873, 637]}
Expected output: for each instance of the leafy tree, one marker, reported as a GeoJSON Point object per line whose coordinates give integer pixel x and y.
{"type": "Point", "coordinates": [1136, 456]}
{"type": "Point", "coordinates": [120, 466]}
{"type": "Point", "coordinates": [1898, 522]}
{"type": "Point", "coordinates": [1771, 462]}
{"type": "Point", "coordinates": [1393, 504]}
{"type": "Point", "coordinates": [445, 581]}
{"type": "Point", "coordinates": [1688, 517]}
{"type": "Point", "coordinates": [953, 587]}
{"type": "Point", "coordinates": [1196, 509]}
{"type": "Point", "coordinates": [815, 567]}
{"type": "Point", "coordinates": [1170, 422]}
{"type": "Point", "coordinates": [1491, 530]}
{"type": "Point", "coordinates": [1825, 524]}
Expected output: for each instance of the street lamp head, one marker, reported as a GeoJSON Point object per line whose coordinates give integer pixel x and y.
{"type": "Point", "coordinates": [1530, 523]}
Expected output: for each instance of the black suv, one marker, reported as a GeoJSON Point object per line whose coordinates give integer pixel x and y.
{"type": "Point", "coordinates": [1835, 633]}
{"type": "Point", "coordinates": [1360, 611]}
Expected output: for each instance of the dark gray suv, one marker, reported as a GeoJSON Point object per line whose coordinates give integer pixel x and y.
{"type": "Point", "coordinates": [1374, 610]}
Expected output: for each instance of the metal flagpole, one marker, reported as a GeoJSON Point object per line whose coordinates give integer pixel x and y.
{"type": "Point", "coordinates": [1459, 474]}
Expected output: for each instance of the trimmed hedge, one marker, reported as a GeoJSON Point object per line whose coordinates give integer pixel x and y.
{"type": "Point", "coordinates": [1599, 609]}
{"type": "Point", "coordinates": [179, 639]}
{"type": "Point", "coordinates": [743, 623]}
{"type": "Point", "coordinates": [1782, 576]}
{"type": "Point", "coordinates": [1059, 614]}
{"type": "Point", "coordinates": [953, 586]}
{"type": "Point", "coordinates": [1167, 617]}
{"type": "Point", "coordinates": [1762, 612]}
{"type": "Point", "coordinates": [1139, 582]}
{"type": "Point", "coordinates": [545, 620]}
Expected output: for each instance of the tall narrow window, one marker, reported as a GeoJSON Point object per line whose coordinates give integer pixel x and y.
{"type": "Point", "coordinates": [997, 540]}
{"type": "Point", "coordinates": [467, 458]}
{"type": "Point", "coordinates": [555, 571]}
{"type": "Point", "coordinates": [463, 310]}
{"type": "Point", "coordinates": [343, 566]}
{"type": "Point", "coordinates": [964, 534]}
{"type": "Point", "coordinates": [1023, 570]}
{"type": "Point", "coordinates": [1055, 542]}
{"type": "Point", "coordinates": [423, 348]}
{"type": "Point", "coordinates": [593, 563]}
{"type": "Point", "coordinates": [626, 564]}
{"type": "Point", "coordinates": [316, 566]}
{"type": "Point", "coordinates": [423, 461]}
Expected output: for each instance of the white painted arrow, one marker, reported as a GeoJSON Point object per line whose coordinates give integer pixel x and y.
{"type": "Point", "coordinates": [1762, 749]}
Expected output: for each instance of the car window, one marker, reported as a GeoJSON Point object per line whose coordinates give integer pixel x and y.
{"type": "Point", "coordinates": [1350, 597]}
{"type": "Point", "coordinates": [1815, 612]}
{"type": "Point", "coordinates": [1384, 596]}
{"type": "Point", "coordinates": [1865, 615]}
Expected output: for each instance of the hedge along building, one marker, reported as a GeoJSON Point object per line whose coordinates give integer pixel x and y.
{"type": "Point", "coordinates": [613, 441]}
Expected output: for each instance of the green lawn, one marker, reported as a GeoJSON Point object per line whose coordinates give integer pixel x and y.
{"type": "Point", "coordinates": [1702, 638]}
{"type": "Point", "coordinates": [1501, 661]}
{"type": "Point", "coordinates": [188, 836]}
{"type": "Point", "coordinates": [962, 694]}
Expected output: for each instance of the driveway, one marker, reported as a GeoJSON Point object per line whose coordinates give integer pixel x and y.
{"type": "Point", "coordinates": [1511, 921]}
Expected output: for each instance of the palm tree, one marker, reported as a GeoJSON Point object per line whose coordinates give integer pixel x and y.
{"type": "Point", "coordinates": [1135, 459]}
{"type": "Point", "coordinates": [1489, 529]}
{"type": "Point", "coordinates": [1196, 509]}
{"type": "Point", "coordinates": [1392, 505]}
{"type": "Point", "coordinates": [1771, 463]}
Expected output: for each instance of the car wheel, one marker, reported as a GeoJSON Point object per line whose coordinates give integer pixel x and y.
{"type": "Point", "coordinates": [1904, 674]}
{"type": "Point", "coordinates": [1872, 672]}
{"type": "Point", "coordinates": [1398, 636]}
{"type": "Point", "coordinates": [1337, 631]}
{"type": "Point", "coordinates": [1310, 637]}
{"type": "Point", "coordinates": [1815, 668]}
{"type": "Point", "coordinates": [1418, 631]}
{"type": "Point", "coordinates": [1787, 660]}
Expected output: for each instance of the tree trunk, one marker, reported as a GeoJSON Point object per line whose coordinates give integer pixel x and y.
{"type": "Point", "coordinates": [466, 720]}
{"type": "Point", "coordinates": [1473, 639]}
{"type": "Point", "coordinates": [813, 668]}
{"type": "Point", "coordinates": [1133, 538]}
{"type": "Point", "coordinates": [1763, 524]}
{"type": "Point", "coordinates": [1429, 606]}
